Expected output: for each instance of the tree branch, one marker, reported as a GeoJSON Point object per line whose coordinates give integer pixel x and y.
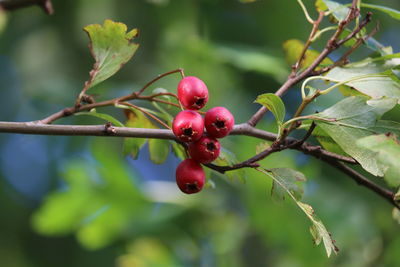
{"type": "Point", "coordinates": [331, 45]}
{"type": "Point", "coordinates": [240, 129]}
{"type": "Point", "coordinates": [99, 130]}
{"type": "Point", "coordinates": [82, 130]}
{"type": "Point", "coordinates": [135, 95]}
{"type": "Point", "coordinates": [362, 180]}
{"type": "Point", "coordinates": [46, 5]}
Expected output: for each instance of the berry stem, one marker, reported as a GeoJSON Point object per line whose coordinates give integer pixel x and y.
{"type": "Point", "coordinates": [180, 70]}
{"type": "Point", "coordinates": [146, 113]}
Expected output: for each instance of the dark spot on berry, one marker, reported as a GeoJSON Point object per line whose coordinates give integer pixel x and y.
{"type": "Point", "coordinates": [192, 187]}
{"type": "Point", "coordinates": [200, 101]}
{"type": "Point", "coordinates": [220, 124]}
{"type": "Point", "coordinates": [211, 146]}
{"type": "Point", "coordinates": [188, 131]}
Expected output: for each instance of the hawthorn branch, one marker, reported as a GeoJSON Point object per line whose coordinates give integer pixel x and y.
{"type": "Point", "coordinates": [72, 110]}
{"type": "Point", "coordinates": [10, 5]}
{"type": "Point", "coordinates": [344, 59]}
{"type": "Point", "coordinates": [98, 130]}
{"type": "Point", "coordinates": [108, 130]}
{"type": "Point", "coordinates": [332, 44]}
{"type": "Point", "coordinates": [314, 30]}
{"type": "Point", "coordinates": [363, 181]}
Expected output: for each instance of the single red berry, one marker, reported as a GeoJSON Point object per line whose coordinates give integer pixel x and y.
{"type": "Point", "coordinates": [192, 93]}
{"type": "Point", "coordinates": [219, 122]}
{"type": "Point", "coordinates": [204, 150]}
{"type": "Point", "coordinates": [190, 176]}
{"type": "Point", "coordinates": [188, 126]}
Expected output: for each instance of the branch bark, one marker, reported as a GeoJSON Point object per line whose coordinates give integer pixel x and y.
{"type": "Point", "coordinates": [364, 181]}
{"type": "Point", "coordinates": [44, 127]}
{"type": "Point", "coordinates": [240, 129]}
{"type": "Point", "coordinates": [46, 5]}
{"type": "Point", "coordinates": [103, 130]}
{"type": "Point", "coordinates": [332, 44]}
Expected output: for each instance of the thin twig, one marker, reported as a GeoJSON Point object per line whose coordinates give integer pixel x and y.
{"type": "Point", "coordinates": [305, 137]}
{"type": "Point", "coordinates": [136, 95]}
{"type": "Point", "coordinates": [146, 113]}
{"type": "Point", "coordinates": [362, 180]}
{"type": "Point", "coordinates": [314, 30]}
{"type": "Point", "coordinates": [344, 59]}
{"type": "Point", "coordinates": [159, 77]}
{"type": "Point", "coordinates": [331, 45]}
{"type": "Point", "coordinates": [303, 7]}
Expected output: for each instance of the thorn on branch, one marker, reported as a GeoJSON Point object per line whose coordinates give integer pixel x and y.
{"type": "Point", "coordinates": [68, 112]}
{"type": "Point", "coordinates": [333, 44]}
{"type": "Point", "coordinates": [109, 129]}
{"type": "Point", "coordinates": [368, 17]}
{"type": "Point", "coordinates": [89, 99]}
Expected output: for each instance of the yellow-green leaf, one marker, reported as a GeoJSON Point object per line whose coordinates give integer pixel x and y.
{"type": "Point", "coordinates": [159, 150]}
{"type": "Point", "coordinates": [387, 149]}
{"type": "Point", "coordinates": [275, 104]}
{"type": "Point", "coordinates": [390, 11]}
{"type": "Point", "coordinates": [320, 5]}
{"type": "Point", "coordinates": [136, 119]}
{"type": "Point", "coordinates": [293, 49]}
{"type": "Point", "coordinates": [111, 46]}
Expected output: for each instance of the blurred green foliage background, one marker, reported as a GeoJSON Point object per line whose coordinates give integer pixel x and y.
{"type": "Point", "coordinates": [76, 201]}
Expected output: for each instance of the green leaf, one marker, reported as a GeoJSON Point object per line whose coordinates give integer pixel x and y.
{"type": "Point", "coordinates": [351, 119]}
{"type": "Point", "coordinates": [159, 150]}
{"type": "Point", "coordinates": [99, 202]}
{"type": "Point", "coordinates": [390, 11]}
{"type": "Point", "coordinates": [380, 127]}
{"type": "Point", "coordinates": [339, 11]}
{"type": "Point", "coordinates": [160, 90]}
{"type": "Point", "coordinates": [317, 229]}
{"type": "Point", "coordinates": [102, 116]}
{"type": "Point", "coordinates": [327, 142]}
{"type": "Point", "coordinates": [111, 47]}
{"type": "Point", "coordinates": [375, 87]}
{"type": "Point", "coordinates": [290, 180]}
{"type": "Point", "coordinates": [396, 215]}
{"type": "Point", "coordinates": [349, 91]}
{"type": "Point", "coordinates": [381, 58]}
{"type": "Point", "coordinates": [384, 126]}
{"type": "Point", "coordinates": [275, 104]}
{"type": "Point", "coordinates": [320, 5]}
{"type": "Point", "coordinates": [178, 150]}
{"type": "Point", "coordinates": [293, 49]}
{"type": "Point", "coordinates": [49, 220]}
{"type": "Point", "coordinates": [163, 113]}
{"type": "Point", "coordinates": [387, 149]}
{"type": "Point", "coordinates": [136, 119]}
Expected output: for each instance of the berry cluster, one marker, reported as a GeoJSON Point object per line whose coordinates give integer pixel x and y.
{"type": "Point", "coordinates": [188, 126]}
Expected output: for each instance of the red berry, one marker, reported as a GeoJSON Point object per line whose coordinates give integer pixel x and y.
{"type": "Point", "coordinates": [190, 176]}
{"type": "Point", "coordinates": [192, 93]}
{"type": "Point", "coordinates": [188, 126]}
{"type": "Point", "coordinates": [219, 122]}
{"type": "Point", "coordinates": [204, 150]}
